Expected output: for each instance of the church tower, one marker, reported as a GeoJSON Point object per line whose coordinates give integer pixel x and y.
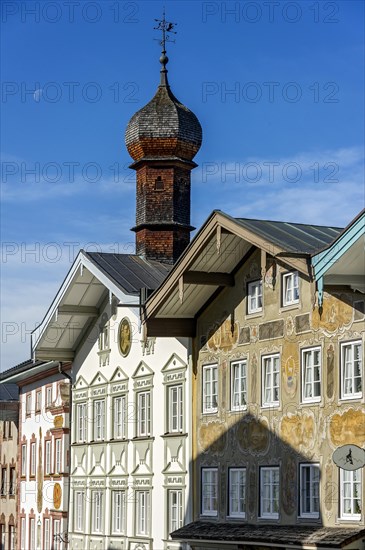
{"type": "Point", "coordinates": [162, 138]}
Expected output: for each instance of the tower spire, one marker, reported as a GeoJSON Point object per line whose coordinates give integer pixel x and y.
{"type": "Point", "coordinates": [165, 27]}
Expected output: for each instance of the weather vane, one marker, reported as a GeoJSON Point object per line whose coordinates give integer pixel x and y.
{"type": "Point", "coordinates": [165, 27]}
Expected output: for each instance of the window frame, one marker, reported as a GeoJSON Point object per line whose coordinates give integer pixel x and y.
{"type": "Point", "coordinates": [97, 514]}
{"type": "Point", "coordinates": [121, 518]}
{"type": "Point", "coordinates": [208, 407]}
{"type": "Point", "coordinates": [257, 296]}
{"type": "Point", "coordinates": [58, 456]}
{"type": "Point", "coordinates": [33, 459]}
{"type": "Point", "coordinates": [23, 466]}
{"type": "Point", "coordinates": [241, 514]}
{"type": "Point", "coordinates": [99, 430]}
{"type": "Point", "coordinates": [312, 398]}
{"type": "Point", "coordinates": [79, 498]}
{"type": "Point", "coordinates": [12, 481]}
{"type": "Point", "coordinates": [48, 397]}
{"type": "Point", "coordinates": [142, 504]}
{"type": "Point", "coordinates": [23, 533]}
{"type": "Point", "coordinates": [343, 473]}
{"type": "Point", "coordinates": [264, 358]}
{"type": "Point", "coordinates": [120, 428]}
{"type": "Point", "coordinates": [4, 481]}
{"type": "Point", "coordinates": [32, 541]}
{"type": "Point", "coordinates": [312, 467]}
{"type": "Point", "coordinates": [234, 364]}
{"type": "Point", "coordinates": [179, 415]}
{"type": "Point", "coordinates": [48, 457]}
{"type": "Point", "coordinates": [177, 507]}
{"type": "Point", "coordinates": [343, 346]}
{"type": "Point", "coordinates": [270, 515]}
{"type": "Point", "coordinates": [28, 403]}
{"type": "Point", "coordinates": [47, 539]}
{"type": "Point", "coordinates": [290, 276]}
{"type": "Point", "coordinates": [38, 401]}
{"type": "Point", "coordinates": [81, 422]}
{"type": "Point", "coordinates": [140, 420]}
{"type": "Point", "coordinates": [213, 483]}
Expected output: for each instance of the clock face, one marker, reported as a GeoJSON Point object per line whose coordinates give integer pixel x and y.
{"type": "Point", "coordinates": [125, 336]}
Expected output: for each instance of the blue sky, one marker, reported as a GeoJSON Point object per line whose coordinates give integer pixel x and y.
{"type": "Point", "coordinates": [277, 86]}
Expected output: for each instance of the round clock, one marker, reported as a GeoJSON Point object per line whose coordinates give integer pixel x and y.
{"type": "Point", "coordinates": [125, 336]}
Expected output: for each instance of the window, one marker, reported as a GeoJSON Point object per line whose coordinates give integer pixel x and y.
{"type": "Point", "coordinates": [254, 297]}
{"type": "Point", "coordinates": [32, 534]}
{"type": "Point", "coordinates": [311, 375]}
{"type": "Point", "coordinates": [269, 492]}
{"type": "Point", "coordinates": [290, 288]}
{"type": "Point", "coordinates": [5, 425]}
{"type": "Point", "coordinates": [210, 388]}
{"type": "Point", "coordinates": [175, 510]}
{"type": "Point", "coordinates": [58, 456]}
{"type": "Point", "coordinates": [309, 490]}
{"type": "Point", "coordinates": [24, 461]}
{"type": "Point", "coordinates": [79, 511]}
{"type": "Point", "coordinates": [97, 501]}
{"type": "Point", "coordinates": [238, 385]}
{"type": "Point", "coordinates": [175, 408]}
{"type": "Point", "coordinates": [350, 485]}
{"type": "Point", "coordinates": [120, 410]}
{"type": "Point", "coordinates": [209, 491]}
{"type": "Point", "coordinates": [270, 380]}
{"type": "Point", "coordinates": [142, 507]}
{"type": "Point", "coordinates": [99, 419]}
{"type": "Point", "coordinates": [118, 511]}
{"type": "Point", "coordinates": [48, 396]}
{"type": "Point", "coordinates": [22, 534]}
{"type": "Point", "coordinates": [81, 420]}
{"type": "Point", "coordinates": [46, 542]}
{"type": "Point", "coordinates": [237, 492]}
{"type": "Point", "coordinates": [143, 414]}
{"type": "Point", "coordinates": [11, 537]}
{"type": "Point", "coordinates": [28, 404]}
{"type": "Point", "coordinates": [351, 370]}
{"type": "Point", "coordinates": [4, 481]}
{"type": "Point", "coordinates": [38, 400]}
{"type": "Point", "coordinates": [48, 457]}
{"type": "Point", "coordinates": [104, 337]}
{"type": "Point", "coordinates": [56, 534]}
{"type": "Point", "coordinates": [32, 460]}
{"type": "Point", "coordinates": [159, 184]}
{"type": "Point", "coordinates": [10, 428]}
{"type": "Point", "coordinates": [12, 480]}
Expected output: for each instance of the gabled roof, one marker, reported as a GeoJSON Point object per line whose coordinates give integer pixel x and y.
{"type": "Point", "coordinates": [18, 375]}
{"type": "Point", "coordinates": [92, 279]}
{"type": "Point", "coordinates": [9, 392]}
{"type": "Point", "coordinates": [343, 261]}
{"type": "Point", "coordinates": [212, 259]}
{"type": "Point", "coordinates": [129, 271]}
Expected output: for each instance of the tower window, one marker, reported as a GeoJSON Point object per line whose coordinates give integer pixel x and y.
{"type": "Point", "coordinates": [159, 184]}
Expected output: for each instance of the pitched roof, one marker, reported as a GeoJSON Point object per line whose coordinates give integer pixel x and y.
{"type": "Point", "coordinates": [9, 392]}
{"type": "Point", "coordinates": [292, 237]}
{"type": "Point", "coordinates": [129, 271]}
{"type": "Point", "coordinates": [282, 535]}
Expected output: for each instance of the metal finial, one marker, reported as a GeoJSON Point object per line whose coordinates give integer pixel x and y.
{"type": "Point", "coordinates": [165, 27]}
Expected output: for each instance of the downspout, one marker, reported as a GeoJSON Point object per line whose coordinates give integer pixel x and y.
{"type": "Point", "coordinates": [66, 375]}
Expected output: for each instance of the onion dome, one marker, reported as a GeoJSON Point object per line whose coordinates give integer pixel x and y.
{"type": "Point", "coordinates": [164, 128]}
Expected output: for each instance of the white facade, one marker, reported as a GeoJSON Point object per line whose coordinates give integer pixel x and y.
{"type": "Point", "coordinates": [130, 446]}
{"type": "Point", "coordinates": [43, 461]}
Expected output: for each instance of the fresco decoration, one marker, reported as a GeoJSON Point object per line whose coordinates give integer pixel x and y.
{"type": "Point", "coordinates": [289, 483]}
{"type": "Point", "coordinates": [57, 496]}
{"type": "Point", "coordinates": [253, 435]}
{"type": "Point", "coordinates": [330, 489]}
{"type": "Point", "coordinates": [58, 421]}
{"type": "Point", "coordinates": [337, 315]}
{"type": "Point", "coordinates": [348, 428]}
{"type": "Point", "coordinates": [252, 493]}
{"type": "Point", "coordinates": [125, 336]}
{"type": "Point", "coordinates": [40, 475]}
{"type": "Point", "coordinates": [254, 333]}
{"type": "Point", "coordinates": [330, 371]}
{"type": "Point", "coordinates": [289, 326]}
{"type": "Point", "coordinates": [270, 276]}
{"type": "Point", "coordinates": [224, 337]}
{"type": "Point", "coordinates": [254, 376]}
{"type": "Point", "coordinates": [290, 368]}
{"type": "Point", "coordinates": [298, 431]}
{"type": "Point", "coordinates": [213, 437]}
{"type": "Point", "coordinates": [64, 389]}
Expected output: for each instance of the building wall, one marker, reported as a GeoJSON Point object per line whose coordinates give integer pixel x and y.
{"type": "Point", "coordinates": [292, 432]}
{"type": "Point", "coordinates": [44, 471]}
{"type": "Point", "coordinates": [105, 462]}
{"type": "Point", "coordinates": [9, 412]}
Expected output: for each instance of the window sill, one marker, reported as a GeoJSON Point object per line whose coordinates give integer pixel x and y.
{"type": "Point", "coordinates": [274, 405]}
{"type": "Point", "coordinates": [238, 409]}
{"type": "Point", "coordinates": [314, 401]}
{"type": "Point", "coordinates": [213, 411]}
{"type": "Point", "coordinates": [350, 397]}
{"type": "Point", "coordinates": [142, 437]}
{"type": "Point", "coordinates": [289, 307]}
{"type": "Point", "coordinates": [236, 518]}
{"type": "Point", "coordinates": [254, 314]}
{"type": "Point", "coordinates": [209, 516]}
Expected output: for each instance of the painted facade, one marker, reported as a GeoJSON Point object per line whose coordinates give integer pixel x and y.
{"type": "Point", "coordinates": [9, 420]}
{"type": "Point", "coordinates": [130, 452]}
{"type": "Point", "coordinates": [43, 455]}
{"type": "Point", "coordinates": [277, 387]}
